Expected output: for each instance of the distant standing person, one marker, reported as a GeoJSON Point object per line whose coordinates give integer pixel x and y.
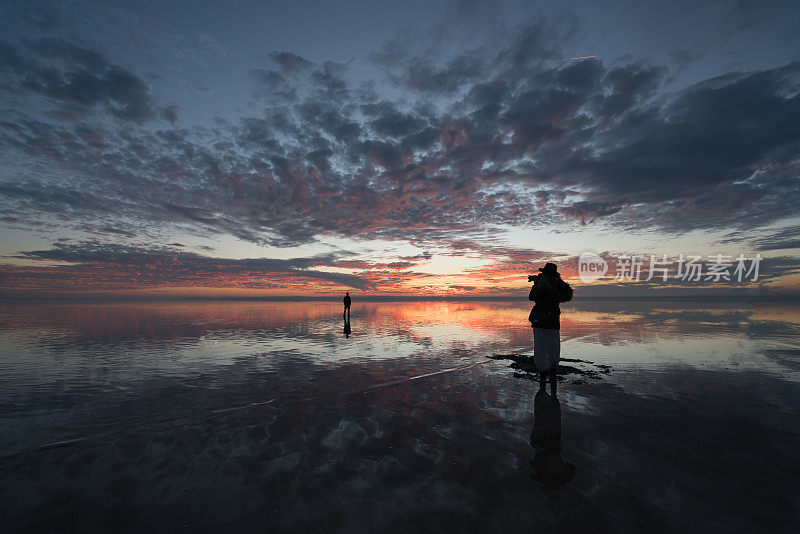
{"type": "Point", "coordinates": [548, 291]}
{"type": "Point", "coordinates": [346, 301]}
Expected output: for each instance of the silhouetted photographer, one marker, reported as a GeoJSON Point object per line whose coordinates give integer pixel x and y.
{"type": "Point", "coordinates": [548, 291]}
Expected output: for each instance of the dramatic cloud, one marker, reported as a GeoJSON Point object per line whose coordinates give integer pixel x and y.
{"type": "Point", "coordinates": [83, 266]}
{"type": "Point", "coordinates": [78, 80]}
{"type": "Point", "coordinates": [338, 162]}
{"type": "Point", "coordinates": [434, 150]}
{"type": "Point", "coordinates": [112, 266]}
{"type": "Point", "coordinates": [787, 238]}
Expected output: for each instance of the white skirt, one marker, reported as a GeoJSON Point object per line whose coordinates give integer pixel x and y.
{"type": "Point", "coordinates": [546, 348]}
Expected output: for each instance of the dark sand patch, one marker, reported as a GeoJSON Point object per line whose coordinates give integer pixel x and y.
{"type": "Point", "coordinates": [527, 370]}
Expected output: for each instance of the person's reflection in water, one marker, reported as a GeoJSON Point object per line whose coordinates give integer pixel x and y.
{"type": "Point", "coordinates": [549, 467]}
{"type": "Point", "coordinates": [347, 327]}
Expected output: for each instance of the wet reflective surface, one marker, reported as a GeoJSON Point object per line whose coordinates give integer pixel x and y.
{"type": "Point", "coordinates": [265, 416]}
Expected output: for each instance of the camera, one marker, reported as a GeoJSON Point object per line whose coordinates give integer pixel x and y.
{"type": "Point", "coordinates": [533, 277]}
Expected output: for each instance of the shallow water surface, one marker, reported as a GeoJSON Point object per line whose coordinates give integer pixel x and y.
{"type": "Point", "coordinates": [274, 416]}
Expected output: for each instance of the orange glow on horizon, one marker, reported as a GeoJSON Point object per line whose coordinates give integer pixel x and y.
{"type": "Point", "coordinates": [446, 275]}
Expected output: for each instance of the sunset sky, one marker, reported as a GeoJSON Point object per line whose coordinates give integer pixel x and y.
{"type": "Point", "coordinates": [393, 148]}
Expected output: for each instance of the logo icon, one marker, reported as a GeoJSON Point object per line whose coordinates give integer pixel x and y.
{"type": "Point", "coordinates": [591, 267]}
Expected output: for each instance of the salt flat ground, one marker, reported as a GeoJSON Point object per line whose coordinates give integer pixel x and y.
{"type": "Point", "coordinates": [265, 416]}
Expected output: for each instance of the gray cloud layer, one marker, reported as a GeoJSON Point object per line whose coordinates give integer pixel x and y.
{"type": "Point", "coordinates": [123, 266]}
{"type": "Point", "coordinates": [486, 137]}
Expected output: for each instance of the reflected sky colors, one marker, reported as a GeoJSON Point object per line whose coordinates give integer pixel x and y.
{"type": "Point", "coordinates": [140, 415]}
{"type": "Point", "coordinates": [191, 336]}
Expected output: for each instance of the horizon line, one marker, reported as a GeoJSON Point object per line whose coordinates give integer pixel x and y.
{"type": "Point", "coordinates": [384, 298]}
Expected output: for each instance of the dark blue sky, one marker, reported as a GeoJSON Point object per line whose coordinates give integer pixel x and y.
{"type": "Point", "coordinates": [391, 146]}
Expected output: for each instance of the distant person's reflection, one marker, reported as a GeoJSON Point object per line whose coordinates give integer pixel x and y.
{"type": "Point", "coordinates": [347, 327]}
{"type": "Point", "coordinates": [549, 468]}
